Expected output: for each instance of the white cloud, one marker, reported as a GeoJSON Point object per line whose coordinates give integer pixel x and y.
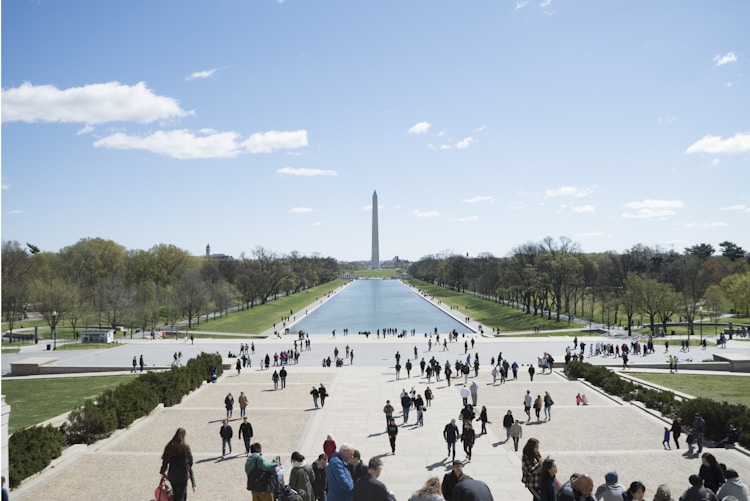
{"type": "Point", "coordinates": [653, 209]}
{"type": "Point", "coordinates": [199, 75]}
{"type": "Point", "coordinates": [300, 210]}
{"type": "Point", "coordinates": [715, 162]}
{"type": "Point", "coordinates": [739, 143]}
{"type": "Point", "coordinates": [464, 143]}
{"type": "Point", "coordinates": [420, 128]}
{"type": "Point", "coordinates": [467, 219]}
{"type": "Point", "coordinates": [583, 209]}
{"type": "Point", "coordinates": [478, 198]}
{"type": "Point", "coordinates": [306, 172]}
{"type": "Point", "coordinates": [706, 226]}
{"type": "Point", "coordinates": [567, 191]}
{"type": "Point", "coordinates": [737, 208]}
{"type": "Point", "coordinates": [729, 57]}
{"type": "Point", "coordinates": [545, 3]}
{"type": "Point", "coordinates": [15, 212]}
{"type": "Point", "coordinates": [425, 214]}
{"type": "Point", "coordinates": [316, 224]}
{"type": "Point", "coordinates": [266, 142]}
{"type": "Point", "coordinates": [185, 144]}
{"type": "Point", "coordinates": [4, 185]}
{"type": "Point", "coordinates": [667, 121]}
{"type": "Point", "coordinates": [521, 4]}
{"type": "Point", "coordinates": [86, 129]}
{"type": "Point", "coordinates": [90, 104]}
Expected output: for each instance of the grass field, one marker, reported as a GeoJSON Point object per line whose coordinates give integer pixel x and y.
{"type": "Point", "coordinates": [732, 389]}
{"type": "Point", "coordinates": [35, 400]}
{"type": "Point", "coordinates": [263, 317]}
{"type": "Point", "coordinates": [491, 315]}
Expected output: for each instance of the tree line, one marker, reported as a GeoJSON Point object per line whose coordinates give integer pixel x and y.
{"type": "Point", "coordinates": [555, 278]}
{"type": "Point", "coordinates": [100, 281]}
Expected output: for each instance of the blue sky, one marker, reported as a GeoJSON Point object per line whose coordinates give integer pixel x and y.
{"type": "Point", "coordinates": [481, 124]}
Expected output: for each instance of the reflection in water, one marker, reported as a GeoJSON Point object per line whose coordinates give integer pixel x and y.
{"type": "Point", "coordinates": [369, 305]}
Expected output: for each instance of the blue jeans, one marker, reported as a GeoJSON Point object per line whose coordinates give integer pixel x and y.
{"type": "Point", "coordinates": [224, 443]}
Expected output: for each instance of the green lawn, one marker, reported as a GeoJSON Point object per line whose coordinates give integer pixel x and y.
{"type": "Point", "coordinates": [33, 401]}
{"type": "Point", "coordinates": [491, 315]}
{"type": "Point", "coordinates": [10, 350]}
{"type": "Point", "coordinates": [719, 388]}
{"type": "Point", "coordinates": [259, 318]}
{"type": "Point", "coordinates": [378, 273]}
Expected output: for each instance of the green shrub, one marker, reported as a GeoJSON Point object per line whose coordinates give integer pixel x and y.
{"type": "Point", "coordinates": [90, 423]}
{"type": "Point", "coordinates": [32, 450]}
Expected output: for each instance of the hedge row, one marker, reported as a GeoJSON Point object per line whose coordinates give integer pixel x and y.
{"type": "Point", "coordinates": [32, 449]}
{"type": "Point", "coordinates": [718, 415]}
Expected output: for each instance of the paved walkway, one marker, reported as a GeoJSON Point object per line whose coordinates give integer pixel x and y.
{"type": "Point", "coordinates": [608, 434]}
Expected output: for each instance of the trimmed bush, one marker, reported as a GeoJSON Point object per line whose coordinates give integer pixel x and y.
{"type": "Point", "coordinates": [32, 450]}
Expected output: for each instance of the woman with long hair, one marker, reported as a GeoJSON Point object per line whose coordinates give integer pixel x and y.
{"type": "Point", "coordinates": [430, 491]}
{"type": "Point", "coordinates": [711, 472]}
{"type": "Point", "coordinates": [531, 468]}
{"type": "Point", "coordinates": [549, 481]}
{"type": "Point", "coordinates": [176, 462]}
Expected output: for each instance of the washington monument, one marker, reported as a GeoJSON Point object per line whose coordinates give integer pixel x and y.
{"type": "Point", "coordinates": [375, 262]}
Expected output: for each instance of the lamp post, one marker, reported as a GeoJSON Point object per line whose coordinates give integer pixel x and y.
{"type": "Point", "coordinates": [701, 314]}
{"type": "Point", "coordinates": [54, 331]}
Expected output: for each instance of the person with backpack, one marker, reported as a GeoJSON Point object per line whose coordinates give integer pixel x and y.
{"type": "Point", "coordinates": [261, 475]}
{"type": "Point", "coordinates": [301, 477]}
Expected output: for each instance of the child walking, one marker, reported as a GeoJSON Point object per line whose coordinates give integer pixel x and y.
{"type": "Point", "coordinates": [665, 442]}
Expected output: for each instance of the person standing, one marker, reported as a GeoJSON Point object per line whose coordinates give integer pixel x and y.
{"type": "Point", "coordinates": [676, 430]}
{"type": "Point", "coordinates": [408, 367]}
{"type": "Point", "coordinates": [483, 419]}
{"type": "Point", "coordinates": [516, 432]}
{"type": "Point", "coordinates": [392, 431]}
{"type": "Point", "coordinates": [464, 392]}
{"type": "Point", "coordinates": [452, 479]}
{"type": "Point", "coordinates": [578, 488]}
{"type": "Point", "coordinates": [301, 477]}
{"type": "Point", "coordinates": [405, 405]}
{"type": "Point", "coordinates": [428, 396]}
{"type": "Point", "coordinates": [369, 488]}
{"type": "Point", "coordinates": [141, 363]}
{"type": "Point", "coordinates": [246, 434]}
{"type": "Point", "coordinates": [430, 491]}
{"type": "Point", "coordinates": [226, 433]}
{"type": "Point", "coordinates": [468, 437]}
{"type": "Point", "coordinates": [282, 375]}
{"type": "Point", "coordinates": [699, 428]}
{"type": "Point", "coordinates": [329, 446]}
{"type": "Point", "coordinates": [243, 405]}
{"type": "Point", "coordinates": [176, 462]}
{"type": "Point", "coordinates": [508, 423]}
{"type": "Point", "coordinates": [135, 363]}
{"type": "Point", "coordinates": [548, 490]}
{"type": "Point", "coordinates": [548, 403]}
{"type": "Point", "coordinates": [315, 394]}
{"type": "Point", "coordinates": [388, 411]}
{"type": "Point", "coordinates": [320, 482]}
{"type": "Point", "coordinates": [474, 389]}
{"type": "Point", "coordinates": [229, 404]}
{"type": "Point", "coordinates": [610, 490]}
{"type": "Point", "coordinates": [339, 478]}
{"type": "Point", "coordinates": [238, 366]}
{"type": "Point", "coordinates": [531, 372]}
{"type": "Point", "coordinates": [275, 379]}
{"type": "Point", "coordinates": [450, 434]}
{"type": "Point", "coordinates": [323, 393]}
{"type": "Point", "coordinates": [256, 462]}
{"type": "Point", "coordinates": [531, 468]}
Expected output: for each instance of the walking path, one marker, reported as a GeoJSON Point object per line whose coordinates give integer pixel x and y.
{"type": "Point", "coordinates": [606, 435]}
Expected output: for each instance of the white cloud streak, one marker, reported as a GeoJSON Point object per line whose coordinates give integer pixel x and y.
{"type": "Point", "coordinates": [290, 171]}
{"type": "Point", "coordinates": [567, 191]}
{"type": "Point", "coordinates": [478, 198]}
{"type": "Point", "coordinates": [653, 209]}
{"type": "Point", "coordinates": [425, 214]}
{"type": "Point", "coordinates": [420, 128]}
{"type": "Point", "coordinates": [185, 144]}
{"type": "Point", "coordinates": [91, 104]}
{"type": "Point", "coordinates": [200, 75]}
{"type": "Point", "coordinates": [739, 143]}
{"type": "Point", "coordinates": [729, 57]}
{"type": "Point", "coordinates": [301, 210]}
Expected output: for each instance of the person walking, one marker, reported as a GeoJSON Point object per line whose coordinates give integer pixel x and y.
{"type": "Point", "coordinates": [388, 411]}
{"type": "Point", "coordinates": [699, 428]}
{"type": "Point", "coordinates": [301, 477]}
{"type": "Point", "coordinates": [282, 375]}
{"type": "Point", "coordinates": [246, 434]}
{"type": "Point", "coordinates": [226, 433]}
{"type": "Point", "coordinates": [243, 404]}
{"type": "Point", "coordinates": [483, 419]}
{"type": "Point", "coordinates": [140, 361]}
{"type": "Point", "coordinates": [255, 466]}
{"type": "Point", "coordinates": [176, 463]}
{"type": "Point", "coordinates": [548, 403]}
{"type": "Point", "coordinates": [531, 372]}
{"type": "Point", "coordinates": [516, 432]}
{"type": "Point", "coordinates": [405, 405]}
{"type": "Point", "coordinates": [135, 364]}
{"type": "Point", "coordinates": [468, 437]}
{"type": "Point", "coordinates": [474, 390]}
{"type": "Point", "coordinates": [527, 401]}
{"type": "Point", "coordinates": [315, 395]}
{"type": "Point", "coordinates": [323, 393]}
{"type": "Point", "coordinates": [508, 423]}
{"type": "Point", "coordinates": [450, 434]}
{"type": "Point", "coordinates": [229, 404]}
{"type": "Point", "coordinates": [275, 379]}
{"type": "Point", "coordinates": [452, 479]}
{"type": "Point", "coordinates": [430, 491]}
{"type": "Point", "coordinates": [428, 396]}
{"type": "Point", "coordinates": [538, 404]}
{"type": "Point", "coordinates": [676, 430]}
{"type": "Point", "coordinates": [392, 431]}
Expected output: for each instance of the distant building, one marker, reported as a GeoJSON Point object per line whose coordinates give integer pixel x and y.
{"type": "Point", "coordinates": [215, 256]}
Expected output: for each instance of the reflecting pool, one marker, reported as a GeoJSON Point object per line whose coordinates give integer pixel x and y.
{"type": "Point", "coordinates": [369, 305]}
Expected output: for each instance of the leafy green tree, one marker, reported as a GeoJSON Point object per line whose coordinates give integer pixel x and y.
{"type": "Point", "coordinates": [731, 250]}
{"type": "Point", "coordinates": [17, 278]}
{"type": "Point", "coordinates": [701, 251]}
{"type": "Point", "coordinates": [737, 288]}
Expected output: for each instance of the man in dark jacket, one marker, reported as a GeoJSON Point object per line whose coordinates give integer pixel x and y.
{"type": "Point", "coordinates": [578, 488]}
{"type": "Point", "coordinates": [369, 488]}
{"type": "Point", "coordinates": [450, 480]}
{"type": "Point", "coordinates": [246, 434]}
{"type": "Point", "coordinates": [320, 483]}
{"type": "Point", "coordinates": [450, 434]}
{"type": "Point", "coordinates": [472, 490]}
{"type": "Point", "coordinates": [226, 434]}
